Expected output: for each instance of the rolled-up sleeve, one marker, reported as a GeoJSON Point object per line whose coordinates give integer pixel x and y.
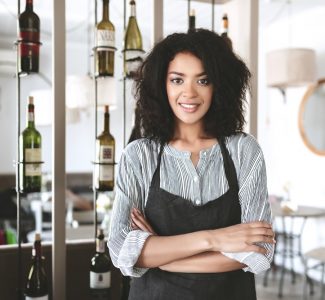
{"type": "Point", "coordinates": [125, 244]}
{"type": "Point", "coordinates": [253, 197]}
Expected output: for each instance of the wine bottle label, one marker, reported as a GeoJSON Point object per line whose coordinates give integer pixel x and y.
{"type": "Point", "coordinates": [33, 154]}
{"type": "Point", "coordinates": [106, 173]}
{"type": "Point", "coordinates": [105, 38]}
{"type": "Point", "coordinates": [100, 280]}
{"type": "Point", "coordinates": [29, 35]}
{"type": "Point", "coordinates": [33, 170]}
{"type": "Point", "coordinates": [37, 298]}
{"type": "Point", "coordinates": [106, 154]}
{"type": "Point", "coordinates": [133, 60]}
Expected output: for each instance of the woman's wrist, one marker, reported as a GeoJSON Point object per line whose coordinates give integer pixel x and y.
{"type": "Point", "coordinates": [208, 241]}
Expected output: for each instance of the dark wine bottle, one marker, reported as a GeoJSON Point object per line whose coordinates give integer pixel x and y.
{"type": "Point", "coordinates": [28, 40]}
{"type": "Point", "coordinates": [30, 154]}
{"type": "Point", "coordinates": [105, 157]}
{"type": "Point", "coordinates": [191, 20]}
{"type": "Point", "coordinates": [224, 30]}
{"type": "Point", "coordinates": [100, 270]}
{"type": "Point", "coordinates": [132, 44]}
{"type": "Point", "coordinates": [105, 37]}
{"type": "Point", "coordinates": [37, 286]}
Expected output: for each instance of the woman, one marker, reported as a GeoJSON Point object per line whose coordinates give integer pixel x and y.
{"type": "Point", "coordinates": [191, 218]}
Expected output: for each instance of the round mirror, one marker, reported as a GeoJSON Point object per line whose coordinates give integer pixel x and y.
{"type": "Point", "coordinates": [312, 118]}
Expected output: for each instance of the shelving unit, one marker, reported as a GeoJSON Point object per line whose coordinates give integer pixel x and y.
{"type": "Point", "coordinates": [19, 163]}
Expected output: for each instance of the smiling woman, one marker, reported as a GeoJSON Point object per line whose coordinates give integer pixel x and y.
{"type": "Point", "coordinates": [191, 218]}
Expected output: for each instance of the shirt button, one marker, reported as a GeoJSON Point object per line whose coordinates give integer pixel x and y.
{"type": "Point", "coordinates": [196, 179]}
{"type": "Point", "coordinates": [197, 202]}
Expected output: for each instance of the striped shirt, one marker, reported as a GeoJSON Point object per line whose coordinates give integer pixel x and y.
{"type": "Point", "coordinates": [199, 184]}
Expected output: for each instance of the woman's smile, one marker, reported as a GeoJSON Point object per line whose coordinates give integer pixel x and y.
{"type": "Point", "coordinates": [189, 107]}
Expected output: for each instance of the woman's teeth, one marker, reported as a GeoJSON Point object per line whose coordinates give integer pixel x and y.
{"type": "Point", "coordinates": [188, 105]}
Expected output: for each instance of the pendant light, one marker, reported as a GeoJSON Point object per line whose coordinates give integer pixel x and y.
{"type": "Point", "coordinates": [290, 67]}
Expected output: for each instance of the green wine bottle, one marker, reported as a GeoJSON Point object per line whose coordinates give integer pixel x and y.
{"type": "Point", "coordinates": [36, 286]}
{"type": "Point", "coordinates": [224, 30]}
{"type": "Point", "coordinates": [132, 44]}
{"type": "Point", "coordinates": [105, 37]}
{"type": "Point", "coordinates": [29, 36]}
{"type": "Point", "coordinates": [30, 154]}
{"type": "Point", "coordinates": [105, 157]}
{"type": "Point", "coordinates": [100, 270]}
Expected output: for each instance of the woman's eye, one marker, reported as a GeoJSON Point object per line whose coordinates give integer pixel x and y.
{"type": "Point", "coordinates": [177, 80]}
{"type": "Point", "coordinates": [204, 81]}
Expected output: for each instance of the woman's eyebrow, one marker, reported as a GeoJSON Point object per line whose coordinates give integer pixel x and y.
{"type": "Point", "coordinates": [182, 74]}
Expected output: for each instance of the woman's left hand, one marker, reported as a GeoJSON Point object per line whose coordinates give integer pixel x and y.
{"type": "Point", "coordinates": [140, 222]}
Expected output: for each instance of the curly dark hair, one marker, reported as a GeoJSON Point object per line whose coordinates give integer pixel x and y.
{"type": "Point", "coordinates": [154, 118]}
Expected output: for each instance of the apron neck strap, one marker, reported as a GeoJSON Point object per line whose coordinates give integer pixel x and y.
{"type": "Point", "coordinates": [228, 164]}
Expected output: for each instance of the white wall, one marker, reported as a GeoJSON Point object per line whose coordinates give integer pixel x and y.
{"type": "Point", "coordinates": [287, 158]}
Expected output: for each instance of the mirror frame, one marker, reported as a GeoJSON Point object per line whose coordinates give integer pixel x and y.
{"type": "Point", "coordinates": [311, 89]}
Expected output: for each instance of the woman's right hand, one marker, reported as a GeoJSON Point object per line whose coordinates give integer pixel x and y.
{"type": "Point", "coordinates": [242, 237]}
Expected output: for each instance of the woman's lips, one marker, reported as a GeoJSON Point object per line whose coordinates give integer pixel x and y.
{"type": "Point", "coordinates": [189, 108]}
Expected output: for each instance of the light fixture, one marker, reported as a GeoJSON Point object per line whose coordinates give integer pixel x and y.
{"type": "Point", "coordinates": [290, 67]}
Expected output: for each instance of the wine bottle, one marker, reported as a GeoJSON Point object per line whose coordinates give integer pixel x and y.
{"type": "Point", "coordinates": [224, 30]}
{"type": "Point", "coordinates": [132, 44]}
{"type": "Point", "coordinates": [105, 157]}
{"type": "Point", "coordinates": [28, 40]}
{"type": "Point", "coordinates": [100, 270]}
{"type": "Point", "coordinates": [36, 286]}
{"type": "Point", "coordinates": [191, 20]}
{"type": "Point", "coordinates": [105, 37]}
{"type": "Point", "coordinates": [30, 154]}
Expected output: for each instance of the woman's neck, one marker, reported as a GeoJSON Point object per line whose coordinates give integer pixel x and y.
{"type": "Point", "coordinates": [189, 133]}
{"type": "Point", "coordinates": [191, 137]}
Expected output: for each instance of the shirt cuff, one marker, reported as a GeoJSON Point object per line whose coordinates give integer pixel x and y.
{"type": "Point", "coordinates": [255, 262]}
{"type": "Point", "coordinates": [130, 253]}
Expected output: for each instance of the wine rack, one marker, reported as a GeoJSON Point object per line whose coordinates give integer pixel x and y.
{"type": "Point", "coordinates": [22, 45]}
{"type": "Point", "coordinates": [97, 164]}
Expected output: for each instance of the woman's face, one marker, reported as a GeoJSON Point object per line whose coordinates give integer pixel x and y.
{"type": "Point", "coordinates": [188, 88]}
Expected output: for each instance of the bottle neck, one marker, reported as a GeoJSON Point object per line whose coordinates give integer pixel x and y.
{"type": "Point", "coordinates": [31, 116]}
{"type": "Point", "coordinates": [225, 26]}
{"type": "Point", "coordinates": [191, 22]}
{"type": "Point", "coordinates": [37, 250]}
{"type": "Point", "coordinates": [100, 245]}
{"type": "Point", "coordinates": [29, 5]}
{"type": "Point", "coordinates": [133, 11]}
{"type": "Point", "coordinates": [106, 122]}
{"type": "Point", "coordinates": [105, 10]}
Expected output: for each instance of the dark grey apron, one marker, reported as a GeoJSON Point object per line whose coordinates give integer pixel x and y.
{"type": "Point", "coordinates": [170, 214]}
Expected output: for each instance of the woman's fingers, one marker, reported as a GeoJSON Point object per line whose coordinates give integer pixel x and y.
{"type": "Point", "coordinates": [134, 226]}
{"type": "Point", "coordinates": [140, 221]}
{"type": "Point", "coordinates": [258, 224]}
{"type": "Point", "coordinates": [243, 237]}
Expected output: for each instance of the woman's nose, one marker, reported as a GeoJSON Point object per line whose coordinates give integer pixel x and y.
{"type": "Point", "coordinates": [189, 90]}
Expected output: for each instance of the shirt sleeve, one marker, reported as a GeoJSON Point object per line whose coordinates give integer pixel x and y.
{"type": "Point", "coordinates": [125, 244]}
{"type": "Point", "coordinates": [253, 197]}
